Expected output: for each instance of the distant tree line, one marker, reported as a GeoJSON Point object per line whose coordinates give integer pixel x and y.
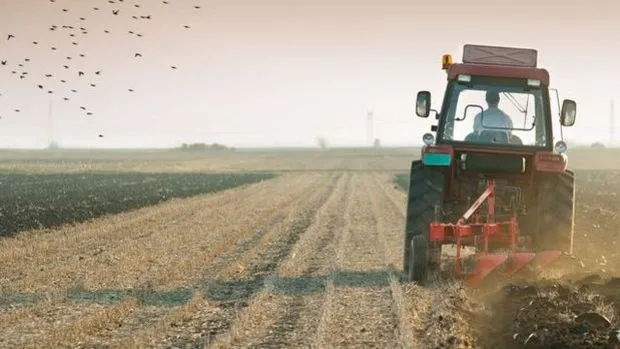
{"type": "Point", "coordinates": [195, 147]}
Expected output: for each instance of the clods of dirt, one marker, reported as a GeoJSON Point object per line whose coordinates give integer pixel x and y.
{"type": "Point", "coordinates": [580, 314]}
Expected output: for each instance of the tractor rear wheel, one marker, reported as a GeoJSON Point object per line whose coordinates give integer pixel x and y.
{"type": "Point", "coordinates": [555, 212]}
{"type": "Point", "coordinates": [425, 193]}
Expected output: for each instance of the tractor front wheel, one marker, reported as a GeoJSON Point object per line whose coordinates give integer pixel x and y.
{"type": "Point", "coordinates": [418, 259]}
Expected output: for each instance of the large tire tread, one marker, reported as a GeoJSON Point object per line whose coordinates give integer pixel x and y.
{"type": "Point", "coordinates": [556, 212]}
{"type": "Point", "coordinates": [425, 191]}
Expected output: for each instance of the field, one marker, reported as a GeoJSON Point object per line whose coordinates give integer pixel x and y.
{"type": "Point", "coordinates": [263, 249]}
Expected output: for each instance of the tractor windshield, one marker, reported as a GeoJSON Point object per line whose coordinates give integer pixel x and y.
{"type": "Point", "coordinates": [493, 110]}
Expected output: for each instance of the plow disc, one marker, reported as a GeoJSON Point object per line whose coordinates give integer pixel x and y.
{"type": "Point", "coordinates": [506, 266]}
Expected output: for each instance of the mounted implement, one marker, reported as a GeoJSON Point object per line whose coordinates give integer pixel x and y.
{"type": "Point", "coordinates": [492, 179]}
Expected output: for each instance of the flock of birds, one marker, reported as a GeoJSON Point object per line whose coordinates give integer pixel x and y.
{"type": "Point", "coordinates": [18, 68]}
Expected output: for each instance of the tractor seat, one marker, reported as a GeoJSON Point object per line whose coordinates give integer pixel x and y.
{"type": "Point", "coordinates": [488, 136]}
{"type": "Point", "coordinates": [492, 136]}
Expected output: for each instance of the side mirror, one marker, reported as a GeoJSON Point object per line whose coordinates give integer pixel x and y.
{"type": "Point", "coordinates": [423, 104]}
{"type": "Point", "coordinates": [568, 112]}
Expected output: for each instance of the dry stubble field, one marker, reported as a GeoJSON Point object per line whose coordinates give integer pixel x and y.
{"type": "Point", "coordinates": [307, 259]}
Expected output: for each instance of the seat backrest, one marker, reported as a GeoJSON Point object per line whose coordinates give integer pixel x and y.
{"type": "Point", "coordinates": [494, 136]}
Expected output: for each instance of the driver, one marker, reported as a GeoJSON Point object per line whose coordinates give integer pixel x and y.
{"type": "Point", "coordinates": [493, 116]}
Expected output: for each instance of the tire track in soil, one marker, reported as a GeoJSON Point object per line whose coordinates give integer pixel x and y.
{"type": "Point", "coordinates": [359, 310]}
{"type": "Point", "coordinates": [231, 291]}
{"type": "Point", "coordinates": [389, 226]}
{"type": "Point", "coordinates": [440, 315]}
{"type": "Point", "coordinates": [288, 310]}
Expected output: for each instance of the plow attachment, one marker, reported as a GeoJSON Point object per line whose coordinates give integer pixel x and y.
{"type": "Point", "coordinates": [483, 231]}
{"type": "Point", "coordinates": [504, 266]}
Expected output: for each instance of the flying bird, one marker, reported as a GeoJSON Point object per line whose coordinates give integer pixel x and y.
{"type": "Point", "coordinates": [10, 36]}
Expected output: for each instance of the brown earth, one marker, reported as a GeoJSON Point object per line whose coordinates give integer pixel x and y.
{"type": "Point", "coordinates": [309, 259]}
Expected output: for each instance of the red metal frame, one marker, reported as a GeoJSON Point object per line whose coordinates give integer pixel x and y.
{"type": "Point", "coordinates": [466, 233]}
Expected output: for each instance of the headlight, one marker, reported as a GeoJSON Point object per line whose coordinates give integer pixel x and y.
{"type": "Point", "coordinates": [428, 139]}
{"type": "Point", "coordinates": [560, 146]}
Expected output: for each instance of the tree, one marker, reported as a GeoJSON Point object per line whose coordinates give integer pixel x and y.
{"type": "Point", "coordinates": [377, 143]}
{"type": "Point", "coordinates": [321, 142]}
{"type": "Point", "coordinates": [53, 145]}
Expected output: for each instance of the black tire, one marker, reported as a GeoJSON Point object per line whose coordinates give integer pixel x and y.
{"type": "Point", "coordinates": [425, 192]}
{"type": "Point", "coordinates": [418, 260]}
{"type": "Point", "coordinates": [555, 212]}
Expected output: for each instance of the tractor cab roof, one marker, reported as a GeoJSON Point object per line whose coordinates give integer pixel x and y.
{"type": "Point", "coordinates": [500, 71]}
{"type": "Point", "coordinates": [496, 61]}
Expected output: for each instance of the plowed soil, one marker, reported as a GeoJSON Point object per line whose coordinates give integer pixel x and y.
{"type": "Point", "coordinates": [302, 260]}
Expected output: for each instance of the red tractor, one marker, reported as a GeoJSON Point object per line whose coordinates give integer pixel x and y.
{"type": "Point", "coordinates": [492, 177]}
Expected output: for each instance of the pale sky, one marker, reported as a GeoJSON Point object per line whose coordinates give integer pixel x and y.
{"type": "Point", "coordinates": [278, 72]}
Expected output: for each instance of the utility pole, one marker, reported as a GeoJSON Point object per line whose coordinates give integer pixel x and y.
{"type": "Point", "coordinates": [50, 123]}
{"type": "Point", "coordinates": [369, 127]}
{"type": "Point", "coordinates": [612, 124]}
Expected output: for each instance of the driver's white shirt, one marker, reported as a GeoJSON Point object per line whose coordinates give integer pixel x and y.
{"type": "Point", "coordinates": [493, 117]}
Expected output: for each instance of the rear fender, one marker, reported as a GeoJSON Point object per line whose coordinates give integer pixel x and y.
{"type": "Point", "coordinates": [550, 162]}
{"type": "Point", "coordinates": [440, 158]}
{"type": "Point", "coordinates": [437, 156]}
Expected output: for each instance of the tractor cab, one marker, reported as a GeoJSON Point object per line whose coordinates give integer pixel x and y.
{"type": "Point", "coordinates": [496, 99]}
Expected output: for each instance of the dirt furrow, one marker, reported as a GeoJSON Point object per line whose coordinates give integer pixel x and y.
{"type": "Point", "coordinates": [156, 303]}
{"type": "Point", "coordinates": [361, 305]}
{"type": "Point", "coordinates": [390, 229]}
{"type": "Point", "coordinates": [202, 320]}
{"type": "Point", "coordinates": [287, 311]}
{"type": "Point", "coordinates": [439, 315]}
{"type": "Point", "coordinates": [124, 250]}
